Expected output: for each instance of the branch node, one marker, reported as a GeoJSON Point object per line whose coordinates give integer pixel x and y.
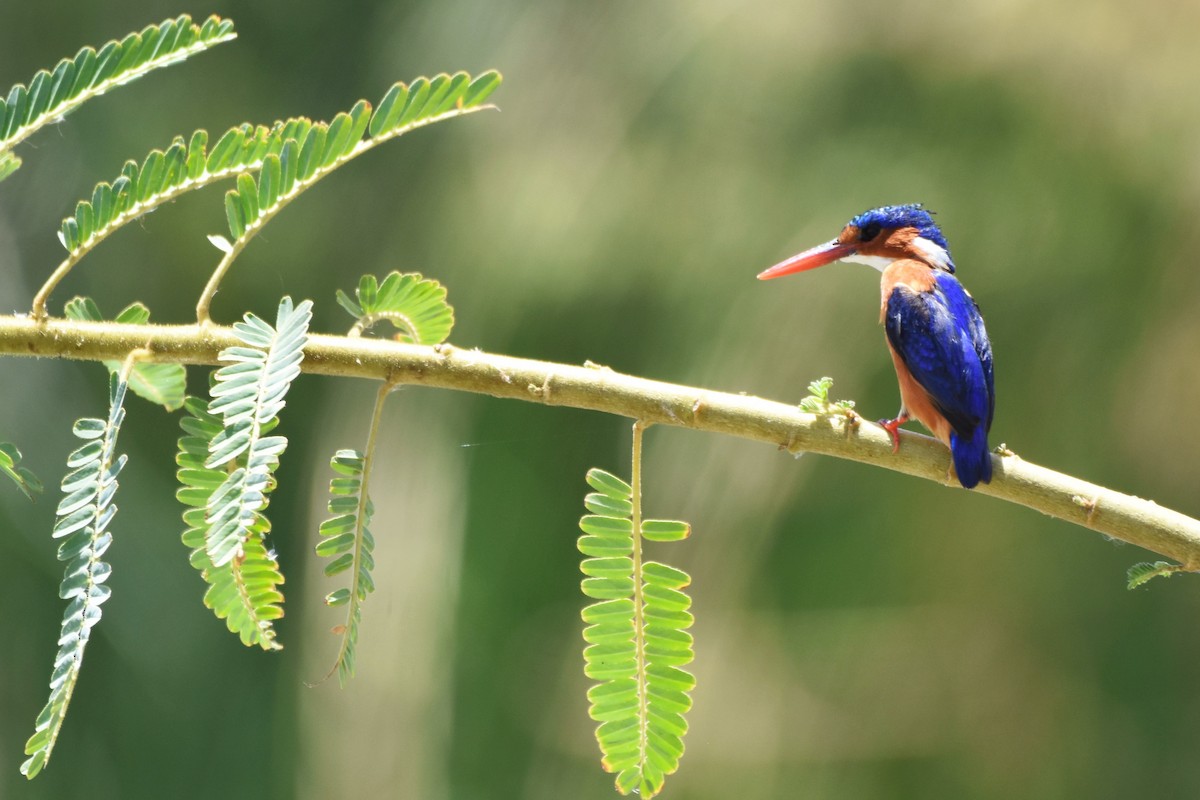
{"type": "Point", "coordinates": [543, 391]}
{"type": "Point", "coordinates": [593, 365]}
{"type": "Point", "coordinates": [1088, 505]}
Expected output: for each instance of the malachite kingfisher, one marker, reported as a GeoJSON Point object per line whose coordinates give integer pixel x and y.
{"type": "Point", "coordinates": [935, 333]}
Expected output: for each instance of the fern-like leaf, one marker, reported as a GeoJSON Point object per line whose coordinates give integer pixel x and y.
{"type": "Point", "coordinates": [325, 147]}
{"type": "Point", "coordinates": [818, 402]}
{"type": "Point", "coordinates": [248, 394]}
{"type": "Point", "coordinates": [1146, 571]}
{"type": "Point", "coordinates": [84, 514]}
{"type": "Point", "coordinates": [415, 306]}
{"type": "Point", "coordinates": [346, 539]}
{"type": "Point", "coordinates": [52, 95]}
{"type": "Point", "coordinates": [163, 176]}
{"type": "Point", "coordinates": [637, 635]}
{"type": "Point", "coordinates": [162, 384]}
{"type": "Point", "coordinates": [244, 591]}
{"type": "Point", "coordinates": [10, 465]}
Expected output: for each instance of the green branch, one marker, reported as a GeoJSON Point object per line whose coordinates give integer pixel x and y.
{"type": "Point", "coordinates": [1121, 516]}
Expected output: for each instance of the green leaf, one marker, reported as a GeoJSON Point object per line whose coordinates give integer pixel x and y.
{"type": "Point", "coordinates": [1141, 573]}
{"type": "Point", "coordinates": [610, 485]}
{"type": "Point", "coordinates": [248, 393]}
{"type": "Point", "coordinates": [83, 518]}
{"type": "Point", "coordinates": [415, 306]}
{"type": "Point", "coordinates": [347, 539]}
{"type": "Point", "coordinates": [665, 530]}
{"type": "Point", "coordinates": [390, 109]}
{"type": "Point", "coordinates": [818, 402]}
{"type": "Point", "coordinates": [10, 465]}
{"type": "Point", "coordinates": [54, 94]}
{"type": "Point", "coordinates": [636, 637]}
{"type": "Point", "coordinates": [322, 149]}
{"type": "Point", "coordinates": [161, 384]}
{"type": "Point", "coordinates": [9, 163]}
{"type": "Point", "coordinates": [244, 592]}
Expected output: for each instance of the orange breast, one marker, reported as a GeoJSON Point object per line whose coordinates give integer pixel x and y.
{"type": "Point", "coordinates": [916, 275]}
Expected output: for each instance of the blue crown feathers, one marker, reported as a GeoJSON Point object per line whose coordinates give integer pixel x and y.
{"type": "Point", "coordinates": [911, 215]}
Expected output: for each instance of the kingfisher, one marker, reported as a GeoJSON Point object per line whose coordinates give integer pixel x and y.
{"type": "Point", "coordinates": [935, 333]}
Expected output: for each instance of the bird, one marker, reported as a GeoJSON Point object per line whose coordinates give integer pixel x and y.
{"type": "Point", "coordinates": [935, 332]}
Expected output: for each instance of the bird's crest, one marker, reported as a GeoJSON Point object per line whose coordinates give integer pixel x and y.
{"type": "Point", "coordinates": [910, 215]}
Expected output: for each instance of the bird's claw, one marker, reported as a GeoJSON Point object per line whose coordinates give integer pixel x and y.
{"type": "Point", "coordinates": [892, 426]}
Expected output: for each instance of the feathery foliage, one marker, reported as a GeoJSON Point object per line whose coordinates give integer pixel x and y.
{"type": "Point", "coordinates": [302, 162]}
{"type": "Point", "coordinates": [1146, 571]}
{"type": "Point", "coordinates": [163, 176]}
{"type": "Point", "coordinates": [52, 95]}
{"type": "Point", "coordinates": [637, 634]}
{"type": "Point", "coordinates": [415, 306]}
{"type": "Point", "coordinates": [84, 514]}
{"type": "Point", "coordinates": [161, 384]}
{"type": "Point", "coordinates": [10, 465]}
{"type": "Point", "coordinates": [248, 394]}
{"type": "Point", "coordinates": [818, 402]}
{"type": "Point", "coordinates": [346, 539]}
{"type": "Point", "coordinates": [243, 591]}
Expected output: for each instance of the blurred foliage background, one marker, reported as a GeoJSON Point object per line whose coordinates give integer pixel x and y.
{"type": "Point", "coordinates": [860, 634]}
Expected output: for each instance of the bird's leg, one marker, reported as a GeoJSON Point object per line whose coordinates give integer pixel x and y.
{"type": "Point", "coordinates": [892, 426]}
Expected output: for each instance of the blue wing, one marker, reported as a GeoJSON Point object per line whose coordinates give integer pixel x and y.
{"type": "Point", "coordinates": [940, 336]}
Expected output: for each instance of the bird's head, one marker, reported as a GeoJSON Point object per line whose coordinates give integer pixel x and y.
{"type": "Point", "coordinates": [877, 238]}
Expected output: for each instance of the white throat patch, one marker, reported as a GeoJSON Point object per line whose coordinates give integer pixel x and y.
{"type": "Point", "coordinates": [878, 262]}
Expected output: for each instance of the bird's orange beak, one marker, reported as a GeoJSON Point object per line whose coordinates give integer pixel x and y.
{"type": "Point", "coordinates": [812, 258]}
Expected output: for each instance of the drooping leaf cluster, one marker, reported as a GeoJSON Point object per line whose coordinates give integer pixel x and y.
{"type": "Point", "coordinates": [243, 591]}
{"type": "Point", "coordinates": [53, 94]}
{"type": "Point", "coordinates": [227, 454]}
{"type": "Point", "coordinates": [248, 395]}
{"type": "Point", "coordinates": [637, 636]}
{"type": "Point", "coordinates": [417, 308]}
{"type": "Point", "coordinates": [84, 514]}
{"type": "Point", "coordinates": [347, 541]}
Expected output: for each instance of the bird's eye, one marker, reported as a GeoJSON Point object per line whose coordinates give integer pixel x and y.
{"type": "Point", "coordinates": [869, 232]}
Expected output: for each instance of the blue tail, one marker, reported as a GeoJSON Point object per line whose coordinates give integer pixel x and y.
{"type": "Point", "coordinates": [972, 461]}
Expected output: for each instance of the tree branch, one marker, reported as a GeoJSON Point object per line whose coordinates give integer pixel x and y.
{"type": "Point", "coordinates": [1121, 516]}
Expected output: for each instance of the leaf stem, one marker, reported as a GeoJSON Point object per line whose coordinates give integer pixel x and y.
{"type": "Point", "coordinates": [639, 600]}
{"type": "Point", "coordinates": [354, 605]}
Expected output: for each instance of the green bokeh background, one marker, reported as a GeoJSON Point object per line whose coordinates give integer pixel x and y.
{"type": "Point", "coordinates": [860, 634]}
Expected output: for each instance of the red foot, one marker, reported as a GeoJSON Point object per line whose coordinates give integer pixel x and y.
{"type": "Point", "coordinates": [892, 426]}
